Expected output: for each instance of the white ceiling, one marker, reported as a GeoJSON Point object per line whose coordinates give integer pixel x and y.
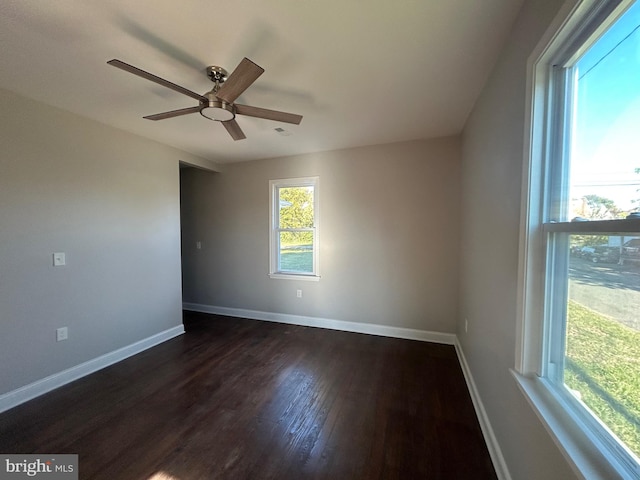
{"type": "Point", "coordinates": [361, 72]}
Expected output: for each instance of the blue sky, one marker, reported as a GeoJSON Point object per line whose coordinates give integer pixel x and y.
{"type": "Point", "coordinates": [606, 139]}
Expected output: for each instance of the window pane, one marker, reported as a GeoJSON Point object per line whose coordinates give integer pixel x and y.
{"type": "Point", "coordinates": [295, 207]}
{"type": "Point", "coordinates": [296, 252]}
{"type": "Point", "coordinates": [602, 356]}
{"type": "Point", "coordinates": [605, 166]}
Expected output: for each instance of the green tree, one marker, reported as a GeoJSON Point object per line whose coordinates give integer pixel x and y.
{"type": "Point", "coordinates": [602, 208]}
{"type": "Point", "coordinates": [296, 211]}
{"type": "Point", "coordinates": [296, 207]}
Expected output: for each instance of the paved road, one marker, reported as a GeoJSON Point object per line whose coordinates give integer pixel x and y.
{"type": "Point", "coordinates": [610, 289]}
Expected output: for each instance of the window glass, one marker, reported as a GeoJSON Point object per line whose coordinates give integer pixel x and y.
{"type": "Point", "coordinates": [296, 252]}
{"type": "Point", "coordinates": [605, 164]}
{"type": "Point", "coordinates": [296, 207]}
{"type": "Point", "coordinates": [602, 353]}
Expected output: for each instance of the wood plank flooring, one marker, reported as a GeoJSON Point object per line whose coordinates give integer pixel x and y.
{"type": "Point", "coordinates": [243, 399]}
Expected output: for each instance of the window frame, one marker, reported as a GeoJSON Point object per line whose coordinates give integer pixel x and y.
{"type": "Point", "coordinates": [587, 444]}
{"type": "Point", "coordinates": [274, 227]}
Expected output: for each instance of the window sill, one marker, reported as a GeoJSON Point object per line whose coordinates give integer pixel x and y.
{"type": "Point", "coordinates": [587, 455]}
{"type": "Point", "coordinates": [293, 276]}
{"type": "Point", "coordinates": [620, 225]}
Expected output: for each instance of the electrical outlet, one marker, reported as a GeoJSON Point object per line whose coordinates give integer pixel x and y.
{"type": "Point", "coordinates": [466, 325]}
{"type": "Point", "coordinates": [199, 245]}
{"type": "Point", "coordinates": [62, 333]}
{"type": "Point", "coordinates": [299, 293]}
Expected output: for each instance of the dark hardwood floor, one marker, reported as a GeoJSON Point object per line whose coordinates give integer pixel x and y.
{"type": "Point", "coordinates": [243, 399]}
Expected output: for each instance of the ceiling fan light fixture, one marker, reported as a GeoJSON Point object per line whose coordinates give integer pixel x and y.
{"type": "Point", "coordinates": [218, 110]}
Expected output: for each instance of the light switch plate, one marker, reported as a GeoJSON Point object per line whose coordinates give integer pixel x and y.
{"type": "Point", "coordinates": [62, 333]}
{"type": "Point", "coordinates": [59, 259]}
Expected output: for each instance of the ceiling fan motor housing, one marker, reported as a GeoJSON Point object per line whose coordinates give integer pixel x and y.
{"type": "Point", "coordinates": [216, 109]}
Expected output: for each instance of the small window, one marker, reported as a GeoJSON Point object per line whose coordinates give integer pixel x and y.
{"type": "Point", "coordinates": [294, 228]}
{"type": "Point", "coordinates": [581, 270]}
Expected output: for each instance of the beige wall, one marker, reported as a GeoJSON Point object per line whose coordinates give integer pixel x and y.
{"type": "Point", "coordinates": [388, 236]}
{"type": "Point", "coordinates": [110, 201]}
{"type": "Point", "coordinates": [492, 152]}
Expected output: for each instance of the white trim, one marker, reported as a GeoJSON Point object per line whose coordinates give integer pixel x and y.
{"type": "Point", "coordinates": [356, 327]}
{"type": "Point", "coordinates": [529, 333]}
{"type": "Point", "coordinates": [289, 276]}
{"type": "Point", "coordinates": [585, 453]}
{"type": "Point", "coordinates": [40, 387]}
{"type": "Point", "coordinates": [495, 452]}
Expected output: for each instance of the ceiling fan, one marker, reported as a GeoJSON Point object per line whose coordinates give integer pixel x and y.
{"type": "Point", "coordinates": [218, 104]}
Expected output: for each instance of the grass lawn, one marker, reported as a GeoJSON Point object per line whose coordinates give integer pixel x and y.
{"type": "Point", "coordinates": [603, 364]}
{"type": "Point", "coordinates": [297, 258]}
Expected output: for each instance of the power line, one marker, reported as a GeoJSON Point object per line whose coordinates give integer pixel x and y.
{"type": "Point", "coordinates": [609, 52]}
{"type": "Point", "coordinates": [602, 184]}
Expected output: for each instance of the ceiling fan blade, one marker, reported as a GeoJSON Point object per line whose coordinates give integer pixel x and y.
{"type": "Point", "coordinates": [160, 81]}
{"type": "Point", "coordinates": [240, 79]}
{"type": "Point", "coordinates": [234, 129]}
{"type": "Point", "coordinates": [173, 113]}
{"type": "Point", "coordinates": [268, 114]}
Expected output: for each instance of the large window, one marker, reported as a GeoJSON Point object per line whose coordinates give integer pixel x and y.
{"type": "Point", "coordinates": [581, 261]}
{"type": "Point", "coordinates": [294, 228]}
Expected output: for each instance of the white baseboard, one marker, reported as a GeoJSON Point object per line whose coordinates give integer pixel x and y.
{"type": "Point", "coordinates": [489, 437]}
{"type": "Point", "coordinates": [40, 387]}
{"type": "Point", "coordinates": [356, 327]}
